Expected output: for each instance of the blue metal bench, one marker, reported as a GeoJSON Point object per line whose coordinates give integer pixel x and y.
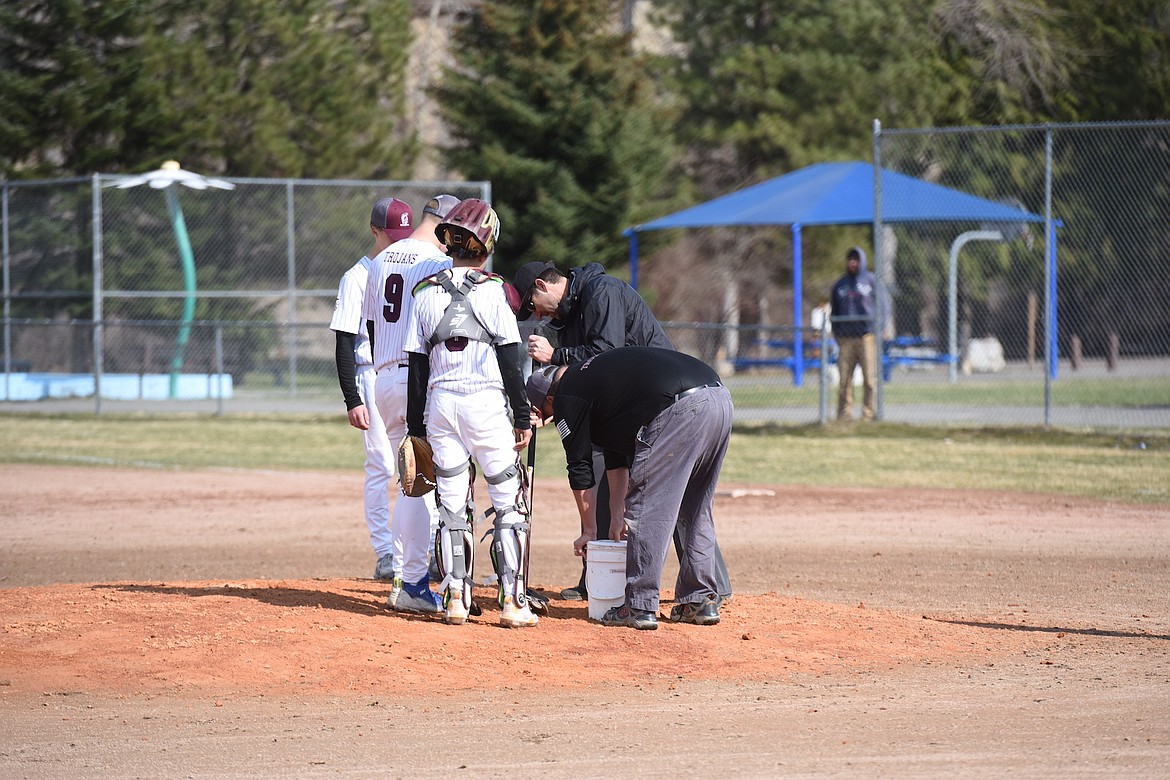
{"type": "Point", "coordinates": [911, 351]}
{"type": "Point", "coordinates": [898, 351]}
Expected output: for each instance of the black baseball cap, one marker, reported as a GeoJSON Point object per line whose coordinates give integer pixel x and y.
{"type": "Point", "coordinates": [538, 384]}
{"type": "Point", "coordinates": [523, 281]}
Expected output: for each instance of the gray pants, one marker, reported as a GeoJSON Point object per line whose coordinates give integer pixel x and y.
{"type": "Point", "coordinates": [672, 481]}
{"type": "Point", "coordinates": [722, 578]}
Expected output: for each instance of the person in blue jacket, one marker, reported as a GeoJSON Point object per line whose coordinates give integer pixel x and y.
{"type": "Point", "coordinates": [852, 302]}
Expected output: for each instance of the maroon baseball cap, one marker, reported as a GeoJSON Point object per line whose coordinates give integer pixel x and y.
{"type": "Point", "coordinates": [393, 216]}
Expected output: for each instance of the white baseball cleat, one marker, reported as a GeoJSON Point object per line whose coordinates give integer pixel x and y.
{"type": "Point", "coordinates": [513, 616]}
{"type": "Point", "coordinates": [395, 592]}
{"type": "Point", "coordinates": [454, 613]}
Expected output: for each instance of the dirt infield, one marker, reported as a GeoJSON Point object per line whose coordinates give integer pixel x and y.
{"type": "Point", "coordinates": [222, 624]}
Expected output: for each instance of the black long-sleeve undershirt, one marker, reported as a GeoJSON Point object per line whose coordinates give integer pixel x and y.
{"type": "Point", "coordinates": [511, 358]}
{"type": "Point", "coordinates": [347, 369]}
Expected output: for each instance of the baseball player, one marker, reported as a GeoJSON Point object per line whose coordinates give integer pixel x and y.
{"type": "Point", "coordinates": [390, 220]}
{"type": "Point", "coordinates": [387, 307]}
{"type": "Point", "coordinates": [467, 397]}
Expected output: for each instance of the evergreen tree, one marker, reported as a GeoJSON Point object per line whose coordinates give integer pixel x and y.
{"type": "Point", "coordinates": [549, 103]}
{"type": "Point", "coordinates": [1058, 60]}
{"type": "Point", "coordinates": [787, 84]}
{"type": "Point", "coordinates": [275, 89]}
{"type": "Point", "coordinates": [1016, 56]}
{"type": "Point", "coordinates": [74, 92]}
{"type": "Point", "coordinates": [236, 87]}
{"type": "Point", "coordinates": [771, 86]}
{"type": "Point", "coordinates": [1123, 69]}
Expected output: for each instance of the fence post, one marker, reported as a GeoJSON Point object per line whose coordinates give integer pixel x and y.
{"type": "Point", "coordinates": [824, 388]}
{"type": "Point", "coordinates": [1032, 304]}
{"type": "Point", "coordinates": [1113, 356]}
{"type": "Point", "coordinates": [7, 293]}
{"type": "Point", "coordinates": [1075, 352]}
{"type": "Point", "coordinates": [293, 334]}
{"type": "Point", "coordinates": [219, 369]}
{"type": "Point", "coordinates": [879, 263]}
{"type": "Point", "coordinates": [1049, 281]}
{"type": "Point", "coordinates": [98, 283]}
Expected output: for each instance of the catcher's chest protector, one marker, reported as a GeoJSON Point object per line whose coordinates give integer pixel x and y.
{"type": "Point", "coordinates": [460, 320]}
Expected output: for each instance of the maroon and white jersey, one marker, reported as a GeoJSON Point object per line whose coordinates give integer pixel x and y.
{"type": "Point", "coordinates": [463, 365]}
{"type": "Point", "coordinates": [388, 302]}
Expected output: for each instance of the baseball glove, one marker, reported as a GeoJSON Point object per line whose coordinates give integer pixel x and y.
{"type": "Point", "coordinates": [416, 466]}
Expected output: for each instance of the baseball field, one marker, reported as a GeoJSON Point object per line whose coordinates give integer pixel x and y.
{"type": "Point", "coordinates": [188, 607]}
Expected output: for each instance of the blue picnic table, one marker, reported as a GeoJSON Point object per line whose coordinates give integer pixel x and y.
{"type": "Point", "coordinates": [898, 351]}
{"type": "Point", "coordinates": [911, 351]}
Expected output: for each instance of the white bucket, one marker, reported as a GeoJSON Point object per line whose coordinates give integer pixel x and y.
{"type": "Point", "coordinates": [605, 576]}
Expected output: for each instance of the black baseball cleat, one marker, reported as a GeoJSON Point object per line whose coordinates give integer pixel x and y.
{"type": "Point", "coordinates": [537, 601]}
{"type": "Point", "coordinates": [576, 593]}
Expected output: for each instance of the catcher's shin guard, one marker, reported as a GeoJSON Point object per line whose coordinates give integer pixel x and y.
{"type": "Point", "coordinates": [455, 555]}
{"type": "Point", "coordinates": [510, 555]}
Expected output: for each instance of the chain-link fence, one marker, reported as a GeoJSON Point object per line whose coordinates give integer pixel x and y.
{"type": "Point", "coordinates": [178, 293]}
{"type": "Point", "coordinates": [1063, 320]}
{"type": "Point", "coordinates": [1058, 319]}
{"type": "Point", "coordinates": [1020, 274]}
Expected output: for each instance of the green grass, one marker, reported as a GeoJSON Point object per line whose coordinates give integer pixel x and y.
{"type": "Point", "coordinates": [1119, 467]}
{"type": "Point", "coordinates": [1109, 466]}
{"type": "Point", "coordinates": [1113, 392]}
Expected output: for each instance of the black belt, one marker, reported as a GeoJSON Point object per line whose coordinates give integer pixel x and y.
{"type": "Point", "coordinates": [404, 365]}
{"type": "Point", "coordinates": [679, 396]}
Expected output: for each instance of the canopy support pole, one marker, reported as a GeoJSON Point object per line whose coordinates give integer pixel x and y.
{"type": "Point", "coordinates": [633, 259]}
{"type": "Point", "coordinates": [797, 305]}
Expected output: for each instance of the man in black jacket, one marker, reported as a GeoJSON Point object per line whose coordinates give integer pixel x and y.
{"type": "Point", "coordinates": [665, 417]}
{"type": "Point", "coordinates": [592, 312]}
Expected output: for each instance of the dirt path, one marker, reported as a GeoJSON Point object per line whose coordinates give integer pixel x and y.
{"type": "Point", "coordinates": [222, 624]}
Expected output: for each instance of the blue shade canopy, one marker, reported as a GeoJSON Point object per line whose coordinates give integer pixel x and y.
{"type": "Point", "coordinates": [838, 193]}
{"type": "Point", "coordinates": [832, 193]}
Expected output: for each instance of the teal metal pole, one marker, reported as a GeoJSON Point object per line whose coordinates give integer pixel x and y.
{"type": "Point", "coordinates": [188, 259]}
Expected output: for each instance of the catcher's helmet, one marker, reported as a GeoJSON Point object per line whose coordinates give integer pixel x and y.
{"type": "Point", "coordinates": [470, 230]}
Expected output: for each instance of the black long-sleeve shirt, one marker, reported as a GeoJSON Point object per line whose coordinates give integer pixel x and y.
{"type": "Point", "coordinates": [606, 399]}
